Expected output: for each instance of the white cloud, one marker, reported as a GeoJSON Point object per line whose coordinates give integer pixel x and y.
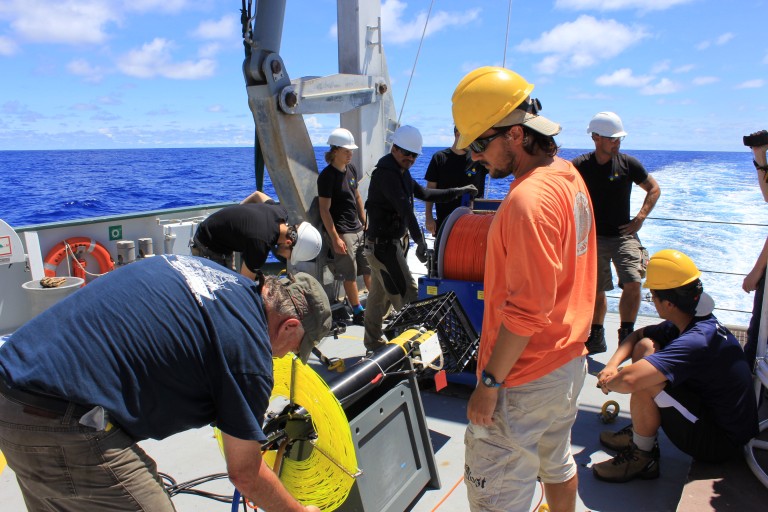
{"type": "Point", "coordinates": [724, 38]}
{"type": "Point", "coordinates": [663, 86]}
{"type": "Point", "coordinates": [156, 5]}
{"type": "Point", "coordinates": [397, 30]}
{"type": "Point", "coordinates": [209, 50]}
{"type": "Point", "coordinates": [155, 59]}
{"type": "Point", "coordinates": [225, 28]}
{"type": "Point", "coordinates": [83, 68]}
{"type": "Point", "coordinates": [20, 112]}
{"type": "Point", "coordinates": [8, 47]}
{"type": "Point", "coordinates": [705, 80]}
{"type": "Point", "coordinates": [623, 78]}
{"type": "Point", "coordinates": [751, 84]}
{"type": "Point", "coordinates": [719, 41]}
{"type": "Point", "coordinates": [66, 21]}
{"type": "Point", "coordinates": [615, 5]}
{"type": "Point", "coordinates": [75, 21]}
{"type": "Point", "coordinates": [573, 45]}
{"type": "Point", "coordinates": [686, 68]}
{"type": "Point", "coordinates": [215, 108]}
{"type": "Point", "coordinates": [660, 67]}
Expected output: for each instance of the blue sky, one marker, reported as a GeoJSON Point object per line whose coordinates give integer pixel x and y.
{"type": "Point", "coordinates": [81, 74]}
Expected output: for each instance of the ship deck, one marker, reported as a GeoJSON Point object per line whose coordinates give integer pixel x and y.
{"type": "Point", "coordinates": [682, 486]}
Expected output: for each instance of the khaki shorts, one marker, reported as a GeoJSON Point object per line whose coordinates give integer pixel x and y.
{"type": "Point", "coordinates": [354, 263]}
{"type": "Point", "coordinates": [627, 255]}
{"type": "Point", "coordinates": [530, 437]}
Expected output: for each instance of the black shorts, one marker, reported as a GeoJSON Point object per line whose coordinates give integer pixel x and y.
{"type": "Point", "coordinates": [703, 440]}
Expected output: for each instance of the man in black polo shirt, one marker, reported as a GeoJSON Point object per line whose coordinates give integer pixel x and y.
{"type": "Point", "coordinates": [449, 168]}
{"type": "Point", "coordinates": [254, 228]}
{"type": "Point", "coordinates": [609, 175]}
{"type": "Point", "coordinates": [390, 218]}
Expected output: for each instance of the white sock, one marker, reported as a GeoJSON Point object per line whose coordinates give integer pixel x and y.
{"type": "Point", "coordinates": [645, 443]}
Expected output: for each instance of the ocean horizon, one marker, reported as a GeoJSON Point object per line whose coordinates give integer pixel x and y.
{"type": "Point", "coordinates": [710, 207]}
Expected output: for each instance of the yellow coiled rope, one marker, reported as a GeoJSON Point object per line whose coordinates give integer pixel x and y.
{"type": "Point", "coordinates": [325, 478]}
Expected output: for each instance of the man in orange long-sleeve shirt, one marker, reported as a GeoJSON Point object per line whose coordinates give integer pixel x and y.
{"type": "Point", "coordinates": [540, 283]}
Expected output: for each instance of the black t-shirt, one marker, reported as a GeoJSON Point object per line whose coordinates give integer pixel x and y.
{"type": "Point", "coordinates": [448, 170]}
{"type": "Point", "coordinates": [610, 186]}
{"type": "Point", "coordinates": [341, 188]}
{"type": "Point", "coordinates": [251, 229]}
{"type": "Point", "coordinates": [390, 201]}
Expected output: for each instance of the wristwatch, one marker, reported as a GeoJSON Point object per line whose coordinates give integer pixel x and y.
{"type": "Point", "coordinates": [489, 380]}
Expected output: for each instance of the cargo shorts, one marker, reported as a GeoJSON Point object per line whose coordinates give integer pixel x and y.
{"type": "Point", "coordinates": [530, 437]}
{"type": "Point", "coordinates": [629, 258]}
{"type": "Point", "coordinates": [354, 263]}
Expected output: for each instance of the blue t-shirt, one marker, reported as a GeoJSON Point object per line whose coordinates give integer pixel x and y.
{"type": "Point", "coordinates": [707, 360]}
{"type": "Point", "coordinates": [164, 344]}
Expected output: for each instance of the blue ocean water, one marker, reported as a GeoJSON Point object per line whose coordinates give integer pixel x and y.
{"type": "Point", "coordinates": [710, 206]}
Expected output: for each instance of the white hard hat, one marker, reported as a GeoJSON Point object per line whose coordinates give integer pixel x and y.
{"type": "Point", "coordinates": [408, 138]}
{"type": "Point", "coordinates": [343, 138]}
{"type": "Point", "coordinates": [606, 124]}
{"type": "Point", "coordinates": [308, 243]}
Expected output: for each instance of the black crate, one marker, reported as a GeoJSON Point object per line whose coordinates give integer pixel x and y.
{"type": "Point", "coordinates": [443, 314]}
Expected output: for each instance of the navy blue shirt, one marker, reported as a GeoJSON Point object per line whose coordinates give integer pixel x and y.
{"type": "Point", "coordinates": [707, 360]}
{"type": "Point", "coordinates": [164, 344]}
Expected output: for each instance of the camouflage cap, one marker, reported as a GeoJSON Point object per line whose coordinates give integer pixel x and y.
{"type": "Point", "coordinates": [313, 307]}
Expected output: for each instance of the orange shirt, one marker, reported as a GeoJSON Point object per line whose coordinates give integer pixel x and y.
{"type": "Point", "coordinates": [540, 271]}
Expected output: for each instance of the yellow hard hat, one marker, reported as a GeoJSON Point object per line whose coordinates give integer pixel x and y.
{"type": "Point", "coordinates": [669, 269]}
{"type": "Point", "coordinates": [484, 97]}
{"type": "Point", "coordinates": [494, 97]}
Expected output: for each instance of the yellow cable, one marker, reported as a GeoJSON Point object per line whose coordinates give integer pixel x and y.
{"type": "Point", "coordinates": [325, 478]}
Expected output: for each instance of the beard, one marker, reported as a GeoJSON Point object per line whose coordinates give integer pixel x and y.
{"type": "Point", "coordinates": [504, 169]}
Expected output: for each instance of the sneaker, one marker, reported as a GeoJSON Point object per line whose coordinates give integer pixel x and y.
{"type": "Point", "coordinates": [628, 464]}
{"type": "Point", "coordinates": [359, 318]}
{"type": "Point", "coordinates": [617, 441]}
{"type": "Point", "coordinates": [596, 341]}
{"type": "Point", "coordinates": [624, 332]}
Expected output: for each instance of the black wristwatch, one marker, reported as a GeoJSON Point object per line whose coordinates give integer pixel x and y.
{"type": "Point", "coordinates": [489, 380]}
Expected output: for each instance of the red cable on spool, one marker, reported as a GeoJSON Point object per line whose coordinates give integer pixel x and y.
{"type": "Point", "coordinates": [464, 256]}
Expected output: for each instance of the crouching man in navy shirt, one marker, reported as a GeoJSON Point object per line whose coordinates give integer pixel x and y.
{"type": "Point", "coordinates": [157, 347]}
{"type": "Point", "coordinates": [688, 376]}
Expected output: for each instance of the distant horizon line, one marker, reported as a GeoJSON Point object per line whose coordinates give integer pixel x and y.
{"type": "Point", "coordinates": [623, 150]}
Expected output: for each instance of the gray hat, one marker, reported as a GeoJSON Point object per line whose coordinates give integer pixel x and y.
{"type": "Point", "coordinates": [314, 310]}
{"type": "Point", "coordinates": [527, 113]}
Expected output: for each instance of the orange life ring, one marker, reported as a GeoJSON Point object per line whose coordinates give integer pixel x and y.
{"type": "Point", "coordinates": [78, 244]}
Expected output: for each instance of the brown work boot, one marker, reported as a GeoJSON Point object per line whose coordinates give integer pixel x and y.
{"type": "Point", "coordinates": [596, 341]}
{"type": "Point", "coordinates": [617, 441]}
{"type": "Point", "coordinates": [628, 464]}
{"type": "Point", "coordinates": [624, 332]}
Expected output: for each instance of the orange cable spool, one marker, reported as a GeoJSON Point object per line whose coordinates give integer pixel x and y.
{"type": "Point", "coordinates": [464, 254]}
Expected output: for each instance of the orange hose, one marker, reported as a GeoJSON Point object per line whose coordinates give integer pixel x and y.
{"type": "Point", "coordinates": [464, 258]}
{"type": "Point", "coordinates": [461, 479]}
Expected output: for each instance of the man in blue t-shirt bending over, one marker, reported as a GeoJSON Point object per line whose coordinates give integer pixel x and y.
{"type": "Point", "coordinates": [157, 347]}
{"type": "Point", "coordinates": [688, 376]}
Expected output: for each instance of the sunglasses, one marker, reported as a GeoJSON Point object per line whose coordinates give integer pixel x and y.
{"type": "Point", "coordinates": [407, 153]}
{"type": "Point", "coordinates": [480, 145]}
{"type": "Point", "coordinates": [612, 139]}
